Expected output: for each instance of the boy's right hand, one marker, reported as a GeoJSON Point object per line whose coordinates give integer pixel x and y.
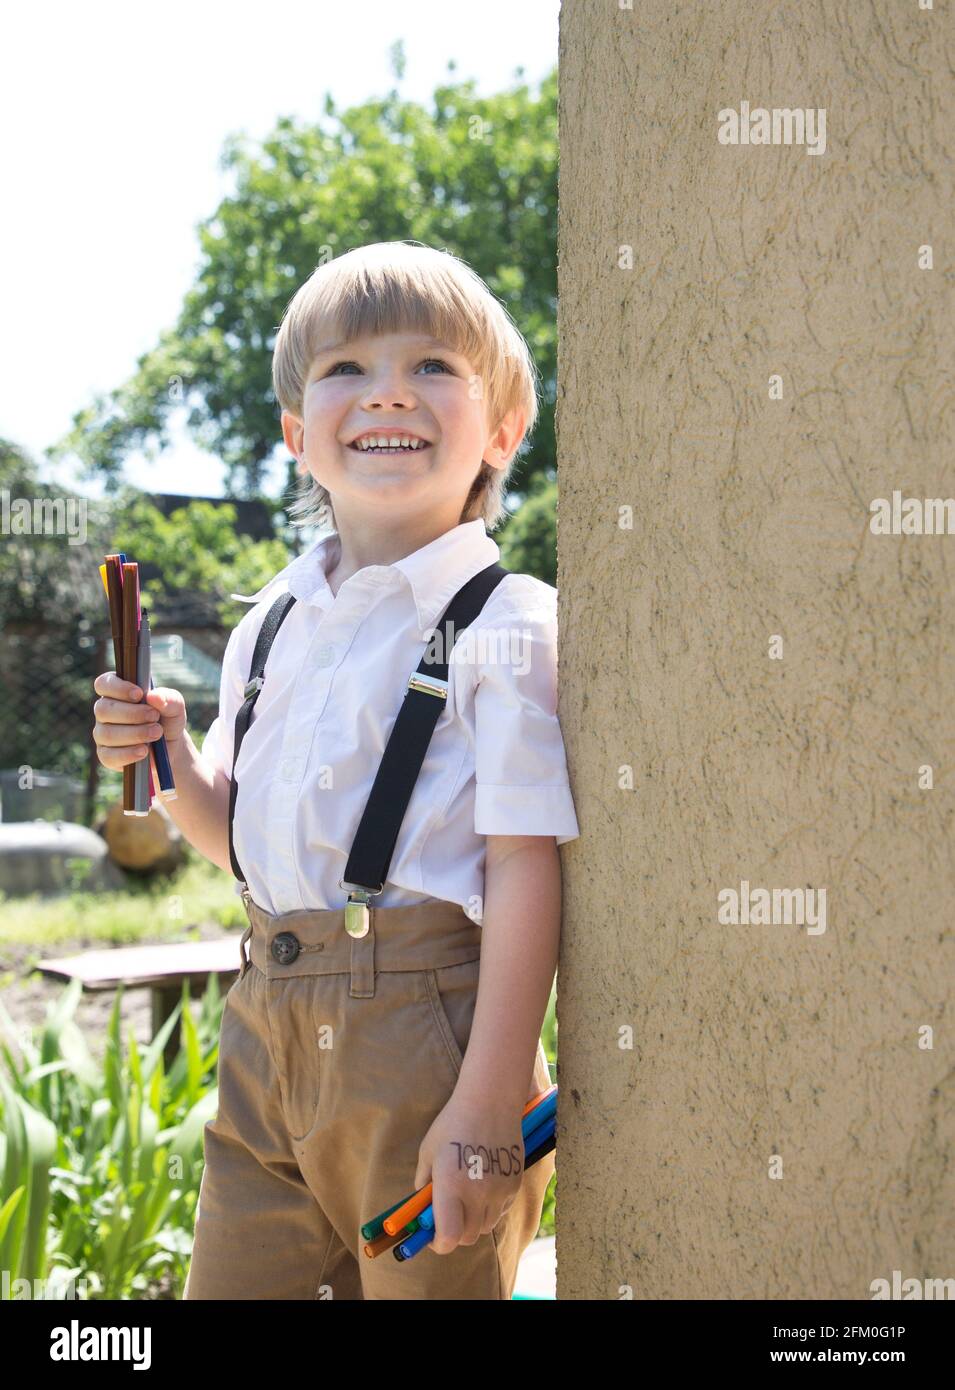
{"type": "Point", "coordinates": [126, 724]}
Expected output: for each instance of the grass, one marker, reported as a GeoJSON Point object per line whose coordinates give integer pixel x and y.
{"type": "Point", "coordinates": [150, 911]}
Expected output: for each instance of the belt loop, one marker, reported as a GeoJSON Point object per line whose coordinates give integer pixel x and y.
{"type": "Point", "coordinates": [363, 961]}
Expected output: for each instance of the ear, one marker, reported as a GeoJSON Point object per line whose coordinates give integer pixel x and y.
{"type": "Point", "coordinates": [293, 432]}
{"type": "Point", "coordinates": [504, 442]}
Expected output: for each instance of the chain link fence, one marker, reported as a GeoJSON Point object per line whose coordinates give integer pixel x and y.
{"type": "Point", "coordinates": [48, 764]}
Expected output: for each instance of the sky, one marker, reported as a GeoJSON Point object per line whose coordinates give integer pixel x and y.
{"type": "Point", "coordinates": [112, 121]}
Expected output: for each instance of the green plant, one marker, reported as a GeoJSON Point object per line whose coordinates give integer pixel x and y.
{"type": "Point", "coordinates": [549, 1039]}
{"type": "Point", "coordinates": [101, 1161]}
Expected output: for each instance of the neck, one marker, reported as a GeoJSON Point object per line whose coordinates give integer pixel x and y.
{"type": "Point", "coordinates": [364, 542]}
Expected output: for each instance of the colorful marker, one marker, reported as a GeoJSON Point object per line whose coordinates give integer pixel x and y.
{"type": "Point", "coordinates": [396, 1220]}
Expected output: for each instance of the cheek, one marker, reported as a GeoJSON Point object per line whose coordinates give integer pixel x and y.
{"type": "Point", "coordinates": [325, 401]}
{"type": "Point", "coordinates": [466, 416]}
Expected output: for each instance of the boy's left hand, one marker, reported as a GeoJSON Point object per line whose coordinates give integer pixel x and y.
{"type": "Point", "coordinates": [470, 1138]}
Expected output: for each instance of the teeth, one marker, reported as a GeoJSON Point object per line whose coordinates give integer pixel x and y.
{"type": "Point", "coordinates": [394, 441]}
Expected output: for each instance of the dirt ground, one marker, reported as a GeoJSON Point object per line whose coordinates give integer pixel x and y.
{"type": "Point", "coordinates": [26, 996]}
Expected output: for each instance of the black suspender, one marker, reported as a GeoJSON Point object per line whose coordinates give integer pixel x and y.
{"type": "Point", "coordinates": [274, 619]}
{"type": "Point", "coordinates": [377, 833]}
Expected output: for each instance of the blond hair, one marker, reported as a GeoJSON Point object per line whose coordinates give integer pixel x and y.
{"type": "Point", "coordinates": [395, 287]}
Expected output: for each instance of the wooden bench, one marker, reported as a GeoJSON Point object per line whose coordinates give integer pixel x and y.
{"type": "Point", "coordinates": [160, 968]}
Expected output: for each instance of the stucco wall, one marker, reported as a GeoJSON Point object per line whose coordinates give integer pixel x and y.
{"type": "Point", "coordinates": [751, 520]}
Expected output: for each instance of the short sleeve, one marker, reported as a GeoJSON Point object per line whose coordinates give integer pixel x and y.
{"type": "Point", "coordinates": [522, 787]}
{"type": "Point", "coordinates": [217, 745]}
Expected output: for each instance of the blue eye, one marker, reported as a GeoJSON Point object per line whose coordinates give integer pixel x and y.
{"type": "Point", "coordinates": [428, 360]}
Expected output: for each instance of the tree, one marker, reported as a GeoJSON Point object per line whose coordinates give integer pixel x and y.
{"type": "Point", "coordinates": [529, 541]}
{"type": "Point", "coordinates": [475, 175]}
{"type": "Point", "coordinates": [196, 550]}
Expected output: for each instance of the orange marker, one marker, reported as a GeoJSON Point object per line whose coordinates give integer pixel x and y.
{"type": "Point", "coordinates": [399, 1219]}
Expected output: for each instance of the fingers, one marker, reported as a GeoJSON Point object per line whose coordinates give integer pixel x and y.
{"type": "Point", "coordinates": [125, 726]}
{"type": "Point", "coordinates": [109, 683]}
{"type": "Point", "coordinates": [123, 711]}
{"type": "Point", "coordinates": [448, 1222]}
{"type": "Point", "coordinates": [163, 699]}
{"type": "Point", "coordinates": [458, 1222]}
{"type": "Point", "coordinates": [117, 758]}
{"type": "Point", "coordinates": [118, 744]}
{"type": "Point", "coordinates": [115, 734]}
{"type": "Point", "coordinates": [462, 1217]}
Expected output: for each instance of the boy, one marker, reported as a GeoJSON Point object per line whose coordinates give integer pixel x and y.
{"type": "Point", "coordinates": [361, 1055]}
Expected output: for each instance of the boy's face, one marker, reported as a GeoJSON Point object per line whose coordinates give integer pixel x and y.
{"type": "Point", "coordinates": [392, 384]}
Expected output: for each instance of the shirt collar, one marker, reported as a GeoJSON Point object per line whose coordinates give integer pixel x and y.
{"type": "Point", "coordinates": [434, 573]}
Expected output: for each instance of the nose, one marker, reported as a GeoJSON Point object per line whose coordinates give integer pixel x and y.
{"type": "Point", "coordinates": [386, 389]}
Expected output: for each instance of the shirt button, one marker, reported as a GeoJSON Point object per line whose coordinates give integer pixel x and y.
{"type": "Point", "coordinates": [324, 656]}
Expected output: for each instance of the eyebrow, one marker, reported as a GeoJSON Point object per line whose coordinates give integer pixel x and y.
{"type": "Point", "coordinates": [422, 341]}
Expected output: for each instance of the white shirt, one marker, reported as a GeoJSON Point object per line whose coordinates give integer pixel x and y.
{"type": "Point", "coordinates": [334, 682]}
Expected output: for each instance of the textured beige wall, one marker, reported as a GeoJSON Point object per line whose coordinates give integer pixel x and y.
{"type": "Point", "coordinates": [751, 519]}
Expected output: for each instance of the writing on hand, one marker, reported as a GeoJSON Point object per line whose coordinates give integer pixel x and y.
{"type": "Point", "coordinates": [482, 1159]}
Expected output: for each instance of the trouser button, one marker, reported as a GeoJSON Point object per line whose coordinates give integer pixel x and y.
{"type": "Point", "coordinates": [285, 948]}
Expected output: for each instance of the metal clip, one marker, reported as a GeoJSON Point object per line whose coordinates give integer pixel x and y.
{"type": "Point", "coordinates": [357, 920]}
{"type": "Point", "coordinates": [430, 685]}
{"type": "Point", "coordinates": [254, 686]}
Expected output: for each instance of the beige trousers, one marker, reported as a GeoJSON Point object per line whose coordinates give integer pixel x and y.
{"type": "Point", "coordinates": [335, 1056]}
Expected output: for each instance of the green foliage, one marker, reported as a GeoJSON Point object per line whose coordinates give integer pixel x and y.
{"type": "Point", "coordinates": [50, 595]}
{"type": "Point", "coordinates": [197, 550]}
{"type": "Point", "coordinates": [101, 1162]}
{"type": "Point", "coordinates": [149, 908]}
{"type": "Point", "coordinates": [549, 1039]}
{"type": "Point", "coordinates": [473, 175]}
{"type": "Point", "coordinates": [44, 577]}
{"type": "Point", "coordinates": [529, 540]}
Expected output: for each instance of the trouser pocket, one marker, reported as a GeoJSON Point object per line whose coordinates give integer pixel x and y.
{"type": "Point", "coordinates": [452, 994]}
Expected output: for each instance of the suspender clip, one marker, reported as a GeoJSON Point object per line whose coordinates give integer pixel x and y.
{"type": "Point", "coordinates": [253, 687]}
{"type": "Point", "coordinates": [357, 920]}
{"type": "Point", "coordinates": [430, 685]}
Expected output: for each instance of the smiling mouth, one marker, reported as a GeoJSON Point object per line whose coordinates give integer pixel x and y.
{"type": "Point", "coordinates": [389, 452]}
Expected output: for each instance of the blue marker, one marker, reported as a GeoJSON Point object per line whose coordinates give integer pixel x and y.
{"type": "Point", "coordinates": [406, 1248]}
{"type": "Point", "coordinates": [541, 1112]}
{"type": "Point", "coordinates": [538, 1136]}
{"type": "Point", "coordinates": [534, 1141]}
